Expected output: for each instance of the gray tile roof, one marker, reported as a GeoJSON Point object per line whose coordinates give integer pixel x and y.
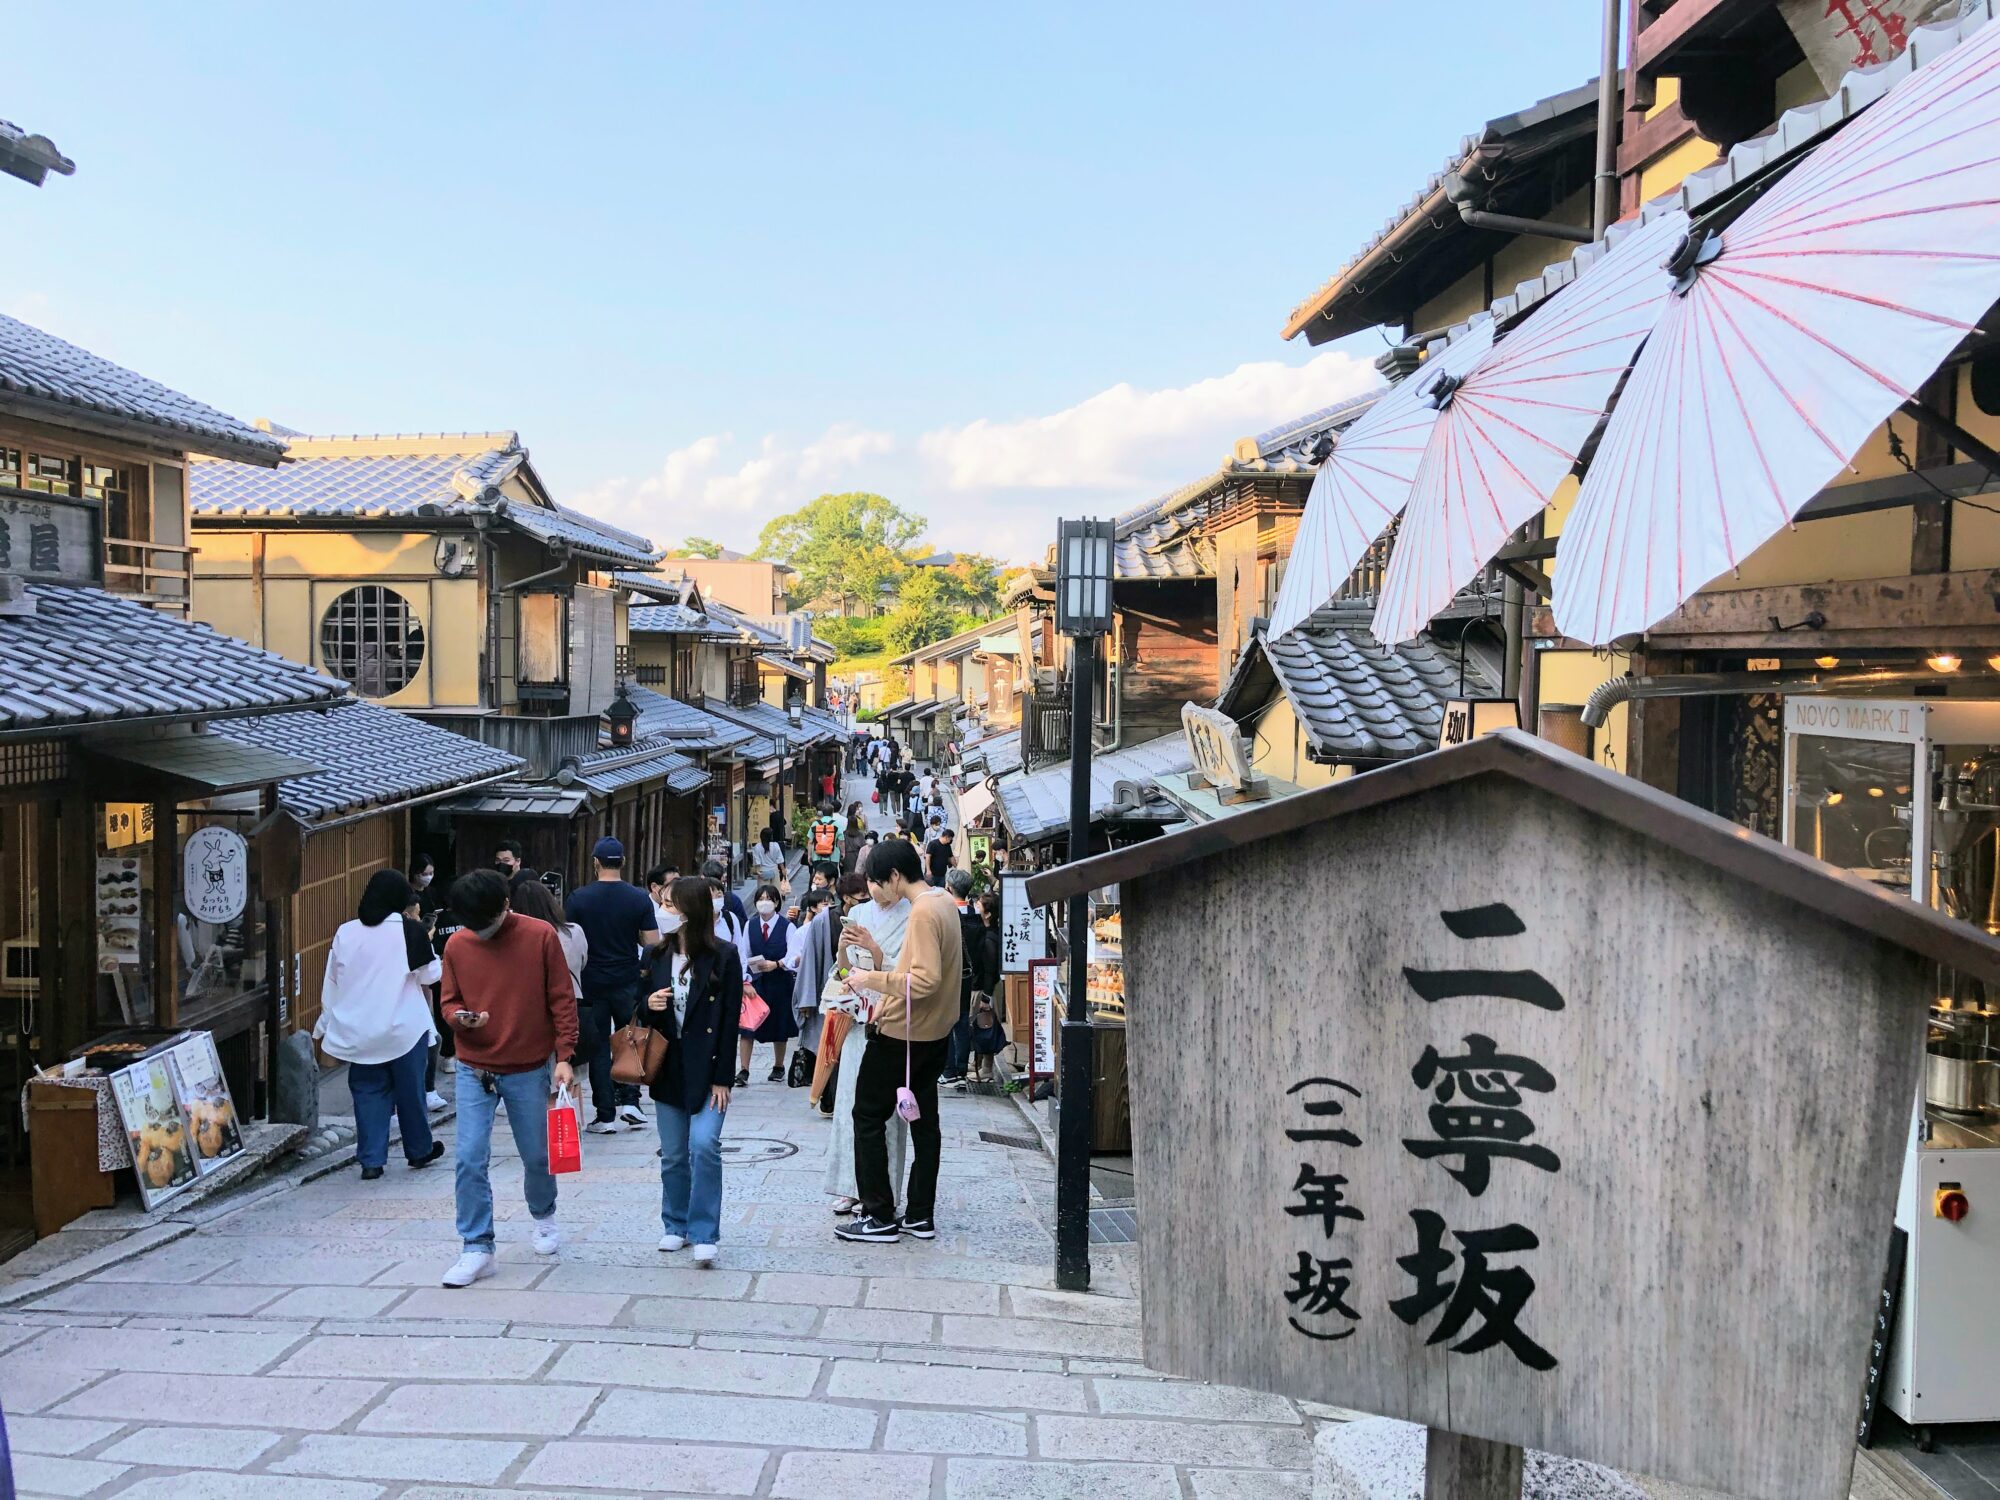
{"type": "Point", "coordinates": [1036, 806]}
{"type": "Point", "coordinates": [1356, 698]}
{"type": "Point", "coordinates": [45, 372]}
{"type": "Point", "coordinates": [668, 619]}
{"type": "Point", "coordinates": [1000, 754]}
{"type": "Point", "coordinates": [728, 620]}
{"type": "Point", "coordinates": [427, 485]}
{"type": "Point", "coordinates": [1299, 446]}
{"type": "Point", "coordinates": [518, 799]}
{"type": "Point", "coordinates": [609, 770]}
{"type": "Point", "coordinates": [374, 755]}
{"type": "Point", "coordinates": [763, 719]}
{"type": "Point", "coordinates": [685, 725]}
{"type": "Point", "coordinates": [87, 657]}
{"type": "Point", "coordinates": [30, 157]}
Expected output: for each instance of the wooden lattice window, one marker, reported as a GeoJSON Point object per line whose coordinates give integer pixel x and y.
{"type": "Point", "coordinates": [370, 639]}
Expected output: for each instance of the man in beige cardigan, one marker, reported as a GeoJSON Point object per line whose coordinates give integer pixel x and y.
{"type": "Point", "coordinates": [927, 972]}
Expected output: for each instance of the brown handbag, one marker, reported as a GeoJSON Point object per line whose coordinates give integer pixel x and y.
{"type": "Point", "coordinates": [637, 1053]}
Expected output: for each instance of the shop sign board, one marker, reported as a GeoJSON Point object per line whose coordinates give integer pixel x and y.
{"type": "Point", "coordinates": [1502, 1172]}
{"type": "Point", "coordinates": [1838, 36]}
{"type": "Point", "coordinates": [1465, 719]}
{"type": "Point", "coordinates": [120, 895]}
{"type": "Point", "coordinates": [1045, 1015]}
{"type": "Point", "coordinates": [203, 1093]}
{"type": "Point", "coordinates": [979, 848]}
{"type": "Point", "coordinates": [1216, 746]}
{"type": "Point", "coordinates": [47, 538]}
{"type": "Point", "coordinates": [1023, 938]}
{"type": "Point", "coordinates": [215, 875]}
{"type": "Point", "coordinates": [127, 823]}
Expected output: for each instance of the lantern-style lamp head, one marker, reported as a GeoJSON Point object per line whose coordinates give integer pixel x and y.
{"type": "Point", "coordinates": [796, 712]}
{"type": "Point", "coordinates": [1083, 578]}
{"type": "Point", "coordinates": [623, 717]}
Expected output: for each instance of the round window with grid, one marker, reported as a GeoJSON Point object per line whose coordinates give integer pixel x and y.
{"type": "Point", "coordinates": [370, 640]}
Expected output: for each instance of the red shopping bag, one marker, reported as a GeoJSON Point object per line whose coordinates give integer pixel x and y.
{"type": "Point", "coordinates": [565, 1139]}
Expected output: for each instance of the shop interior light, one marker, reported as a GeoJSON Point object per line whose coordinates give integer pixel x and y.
{"type": "Point", "coordinates": [1874, 791]}
{"type": "Point", "coordinates": [1944, 661]}
{"type": "Point", "coordinates": [1826, 663]}
{"type": "Point", "coordinates": [1993, 662]}
{"type": "Point", "coordinates": [1834, 799]}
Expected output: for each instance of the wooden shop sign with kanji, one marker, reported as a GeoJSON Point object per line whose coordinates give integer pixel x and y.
{"type": "Point", "coordinates": [1500, 1093]}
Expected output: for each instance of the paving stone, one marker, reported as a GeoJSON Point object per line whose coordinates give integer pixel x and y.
{"type": "Point", "coordinates": [652, 1467]}
{"type": "Point", "coordinates": [974, 1389]}
{"type": "Point", "coordinates": [56, 1437]}
{"type": "Point", "coordinates": [1041, 1336]}
{"type": "Point", "coordinates": [774, 1318]}
{"type": "Point", "coordinates": [852, 1476]}
{"type": "Point", "coordinates": [1205, 1403]}
{"type": "Point", "coordinates": [477, 1492]}
{"type": "Point", "coordinates": [730, 1419]}
{"type": "Point", "coordinates": [508, 1276]}
{"type": "Point", "coordinates": [994, 1479]}
{"type": "Point", "coordinates": [933, 1296]}
{"type": "Point", "coordinates": [1191, 1443]}
{"type": "Point", "coordinates": [419, 1358]}
{"type": "Point", "coordinates": [13, 1334]}
{"type": "Point", "coordinates": [500, 1410]}
{"type": "Point", "coordinates": [435, 1459]}
{"type": "Point", "coordinates": [664, 1279]}
{"type": "Point", "coordinates": [158, 1350]}
{"type": "Point", "coordinates": [318, 1269]}
{"type": "Point", "coordinates": [1251, 1484]}
{"type": "Point", "coordinates": [211, 1486]}
{"type": "Point", "coordinates": [814, 1348]}
{"type": "Point", "coordinates": [314, 1303]}
{"type": "Point", "coordinates": [136, 1297]}
{"type": "Point", "coordinates": [253, 1400]}
{"type": "Point", "coordinates": [957, 1432]}
{"type": "Point", "coordinates": [38, 1474]}
{"type": "Point", "coordinates": [418, 1328]}
{"type": "Point", "coordinates": [566, 1308]}
{"type": "Point", "coordinates": [30, 1385]}
{"type": "Point", "coordinates": [1073, 1307]}
{"type": "Point", "coordinates": [689, 1370]}
{"type": "Point", "coordinates": [816, 1291]}
{"type": "Point", "coordinates": [193, 1447]}
{"type": "Point", "coordinates": [879, 1325]}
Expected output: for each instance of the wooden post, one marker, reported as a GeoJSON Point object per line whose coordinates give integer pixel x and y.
{"type": "Point", "coordinates": [1467, 1468]}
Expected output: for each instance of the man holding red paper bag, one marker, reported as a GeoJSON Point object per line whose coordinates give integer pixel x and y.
{"type": "Point", "coordinates": [511, 1004]}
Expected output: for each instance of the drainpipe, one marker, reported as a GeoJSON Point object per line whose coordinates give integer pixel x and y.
{"type": "Point", "coordinates": [1736, 684]}
{"type": "Point", "coordinates": [1478, 218]}
{"type": "Point", "coordinates": [1604, 197]}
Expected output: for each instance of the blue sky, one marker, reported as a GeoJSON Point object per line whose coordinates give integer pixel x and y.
{"type": "Point", "coordinates": [999, 263]}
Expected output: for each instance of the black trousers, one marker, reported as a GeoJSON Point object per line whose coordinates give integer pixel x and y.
{"type": "Point", "coordinates": [874, 1102]}
{"type": "Point", "coordinates": [599, 1015]}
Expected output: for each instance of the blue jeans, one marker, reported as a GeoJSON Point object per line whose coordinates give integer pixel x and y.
{"type": "Point", "coordinates": [379, 1088]}
{"type": "Point", "coordinates": [527, 1098]}
{"type": "Point", "coordinates": [690, 1172]}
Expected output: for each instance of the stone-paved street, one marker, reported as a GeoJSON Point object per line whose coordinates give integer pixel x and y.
{"type": "Point", "coordinates": [302, 1349]}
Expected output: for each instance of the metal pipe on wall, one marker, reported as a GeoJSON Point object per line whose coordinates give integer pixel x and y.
{"type": "Point", "coordinates": [1604, 195]}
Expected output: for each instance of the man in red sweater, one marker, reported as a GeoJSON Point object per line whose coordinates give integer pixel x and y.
{"type": "Point", "coordinates": [510, 1001]}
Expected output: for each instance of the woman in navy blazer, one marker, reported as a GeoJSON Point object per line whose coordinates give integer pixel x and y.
{"type": "Point", "coordinates": [698, 1009]}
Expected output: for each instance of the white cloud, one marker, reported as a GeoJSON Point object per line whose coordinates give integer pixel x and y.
{"type": "Point", "coordinates": [986, 485]}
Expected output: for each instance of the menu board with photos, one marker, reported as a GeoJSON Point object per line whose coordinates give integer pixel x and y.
{"type": "Point", "coordinates": [205, 1101]}
{"type": "Point", "coordinates": [162, 1152]}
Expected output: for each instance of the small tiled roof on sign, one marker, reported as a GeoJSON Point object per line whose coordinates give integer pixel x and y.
{"type": "Point", "coordinates": [667, 619]}
{"type": "Point", "coordinates": [88, 657]}
{"type": "Point", "coordinates": [374, 756]}
{"type": "Point", "coordinates": [610, 770]}
{"type": "Point", "coordinates": [1354, 697]}
{"type": "Point", "coordinates": [688, 727]}
{"type": "Point", "coordinates": [30, 157]}
{"type": "Point", "coordinates": [41, 374]}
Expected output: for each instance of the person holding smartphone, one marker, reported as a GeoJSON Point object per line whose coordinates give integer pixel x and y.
{"type": "Point", "coordinates": [883, 919]}
{"type": "Point", "coordinates": [698, 1010]}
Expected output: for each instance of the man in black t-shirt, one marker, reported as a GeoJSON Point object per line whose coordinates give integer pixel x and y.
{"type": "Point", "coordinates": [618, 920]}
{"type": "Point", "coordinates": [938, 855]}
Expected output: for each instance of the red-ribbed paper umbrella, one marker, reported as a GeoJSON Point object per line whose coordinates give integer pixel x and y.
{"type": "Point", "coordinates": [1512, 429]}
{"type": "Point", "coordinates": [1362, 484]}
{"type": "Point", "coordinates": [1791, 336]}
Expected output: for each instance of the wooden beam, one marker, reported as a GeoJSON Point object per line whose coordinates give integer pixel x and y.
{"type": "Point", "coordinates": [1937, 604]}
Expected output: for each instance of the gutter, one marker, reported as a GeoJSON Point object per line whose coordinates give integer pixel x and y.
{"type": "Point", "coordinates": [75, 730]}
{"type": "Point", "coordinates": [407, 803]}
{"type": "Point", "coordinates": [1736, 684]}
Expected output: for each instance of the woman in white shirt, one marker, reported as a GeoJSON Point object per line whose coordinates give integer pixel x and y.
{"type": "Point", "coordinates": [886, 924]}
{"type": "Point", "coordinates": [374, 1017]}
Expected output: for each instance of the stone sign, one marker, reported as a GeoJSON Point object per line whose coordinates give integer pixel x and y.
{"type": "Point", "coordinates": [1566, 1116]}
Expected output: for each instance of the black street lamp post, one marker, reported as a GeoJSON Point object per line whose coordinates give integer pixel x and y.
{"type": "Point", "coordinates": [1083, 613]}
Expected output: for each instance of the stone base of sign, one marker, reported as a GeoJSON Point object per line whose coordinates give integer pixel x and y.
{"type": "Point", "coordinates": [1379, 1459]}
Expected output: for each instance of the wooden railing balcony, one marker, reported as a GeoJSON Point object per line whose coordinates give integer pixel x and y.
{"type": "Point", "coordinates": [158, 573]}
{"type": "Point", "coordinates": [1364, 584]}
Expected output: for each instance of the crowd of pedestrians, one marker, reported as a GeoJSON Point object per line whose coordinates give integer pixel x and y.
{"type": "Point", "coordinates": [880, 973]}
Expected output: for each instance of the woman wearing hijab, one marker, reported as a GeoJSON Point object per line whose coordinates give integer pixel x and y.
{"type": "Point", "coordinates": [374, 1017]}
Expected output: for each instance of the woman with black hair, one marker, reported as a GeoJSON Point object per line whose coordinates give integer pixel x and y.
{"type": "Point", "coordinates": [697, 1010]}
{"type": "Point", "coordinates": [772, 966]}
{"type": "Point", "coordinates": [374, 1017]}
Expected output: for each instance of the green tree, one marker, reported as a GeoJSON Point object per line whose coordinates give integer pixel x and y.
{"type": "Point", "coordinates": [844, 547]}
{"type": "Point", "coordinates": [699, 546]}
{"type": "Point", "coordinates": [932, 607]}
{"type": "Point", "coordinates": [978, 580]}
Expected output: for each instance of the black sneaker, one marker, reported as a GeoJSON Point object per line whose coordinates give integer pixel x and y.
{"type": "Point", "coordinates": [369, 1174]}
{"type": "Point", "coordinates": [743, 1078]}
{"type": "Point", "coordinates": [867, 1230]}
{"type": "Point", "coordinates": [436, 1151]}
{"type": "Point", "coordinates": [776, 1075]}
{"type": "Point", "coordinates": [918, 1229]}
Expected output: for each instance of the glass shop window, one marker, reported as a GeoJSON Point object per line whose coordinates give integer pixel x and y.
{"type": "Point", "coordinates": [219, 949]}
{"type": "Point", "coordinates": [125, 914]}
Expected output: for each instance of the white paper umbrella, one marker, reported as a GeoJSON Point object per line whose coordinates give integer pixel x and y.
{"type": "Point", "coordinates": [1820, 312]}
{"type": "Point", "coordinates": [1511, 431]}
{"type": "Point", "coordinates": [1363, 483]}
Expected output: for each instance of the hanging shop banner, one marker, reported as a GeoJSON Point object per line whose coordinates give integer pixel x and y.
{"type": "Point", "coordinates": [1023, 939]}
{"type": "Point", "coordinates": [979, 848]}
{"type": "Point", "coordinates": [215, 875]}
{"type": "Point", "coordinates": [1045, 996]}
{"type": "Point", "coordinates": [161, 1148]}
{"type": "Point", "coordinates": [127, 823]}
{"type": "Point", "coordinates": [204, 1098]}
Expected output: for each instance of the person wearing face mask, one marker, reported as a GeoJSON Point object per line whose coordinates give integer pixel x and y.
{"type": "Point", "coordinates": [769, 943]}
{"type": "Point", "coordinates": [818, 961]}
{"type": "Point", "coordinates": [429, 903]}
{"type": "Point", "coordinates": [885, 917]}
{"type": "Point", "coordinates": [510, 998]}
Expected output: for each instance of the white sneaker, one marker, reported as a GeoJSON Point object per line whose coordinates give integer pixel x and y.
{"type": "Point", "coordinates": [631, 1114]}
{"type": "Point", "coordinates": [474, 1265]}
{"type": "Point", "coordinates": [548, 1236]}
{"type": "Point", "coordinates": [604, 1127]}
{"type": "Point", "coordinates": [672, 1242]}
{"type": "Point", "coordinates": [434, 1101]}
{"type": "Point", "coordinates": [704, 1256]}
